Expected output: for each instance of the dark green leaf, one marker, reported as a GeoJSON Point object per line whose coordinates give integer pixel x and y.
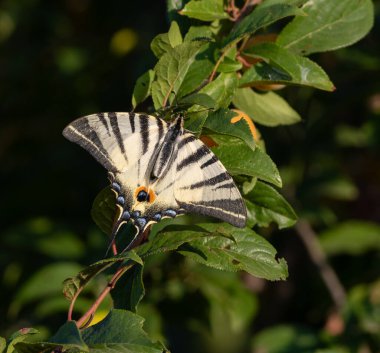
{"type": "Point", "coordinates": [43, 283]}
{"type": "Point", "coordinates": [198, 71]}
{"type": "Point", "coordinates": [261, 16]}
{"type": "Point", "coordinates": [268, 108]}
{"type": "Point", "coordinates": [19, 336]}
{"type": "Point", "coordinates": [329, 25]}
{"type": "Point", "coordinates": [220, 122]}
{"type": "Point", "coordinates": [286, 339]}
{"type": "Point", "coordinates": [205, 10]}
{"type": "Point", "coordinates": [200, 99]}
{"type": "Point", "coordinates": [73, 284]}
{"type": "Point", "coordinates": [168, 241]}
{"type": "Point", "coordinates": [195, 121]}
{"type": "Point", "coordinates": [171, 70]}
{"type": "Point", "coordinates": [129, 289]}
{"type": "Point", "coordinates": [266, 205]}
{"type": "Point", "coordinates": [222, 89]}
{"type": "Point", "coordinates": [103, 210]}
{"type": "Point", "coordinates": [160, 45]}
{"type": "Point", "coordinates": [123, 328]}
{"type": "Point", "coordinates": [67, 337]}
{"type": "Point", "coordinates": [285, 67]}
{"type": "Point", "coordinates": [351, 237]}
{"type": "Point", "coordinates": [142, 88]}
{"type": "Point", "coordinates": [232, 305]}
{"type": "Point", "coordinates": [238, 158]}
{"type": "Point", "coordinates": [247, 251]}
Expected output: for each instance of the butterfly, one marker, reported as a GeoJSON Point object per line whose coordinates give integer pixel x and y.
{"type": "Point", "coordinates": [157, 169]}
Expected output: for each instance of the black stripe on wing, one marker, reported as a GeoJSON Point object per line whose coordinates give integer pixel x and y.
{"type": "Point", "coordinates": [231, 211]}
{"type": "Point", "coordinates": [144, 131]}
{"type": "Point", "coordinates": [116, 130]}
{"type": "Point", "coordinates": [85, 136]}
{"type": "Point", "coordinates": [193, 158]}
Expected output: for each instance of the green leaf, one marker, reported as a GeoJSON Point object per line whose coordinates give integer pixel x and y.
{"type": "Point", "coordinates": [198, 72]}
{"type": "Point", "coordinates": [142, 88]}
{"type": "Point", "coordinates": [19, 336]}
{"type": "Point", "coordinates": [3, 344]}
{"type": "Point", "coordinates": [129, 289]}
{"type": "Point", "coordinates": [160, 45]}
{"type": "Point", "coordinates": [253, 163]}
{"type": "Point", "coordinates": [121, 331]}
{"type": "Point", "coordinates": [43, 283]}
{"type": "Point", "coordinates": [220, 122]}
{"type": "Point", "coordinates": [68, 338]}
{"type": "Point", "coordinates": [73, 284]}
{"type": "Point", "coordinates": [200, 99]}
{"type": "Point", "coordinates": [171, 70]}
{"type": "Point", "coordinates": [268, 109]}
{"type": "Point", "coordinates": [205, 10]}
{"type": "Point", "coordinates": [103, 210]}
{"type": "Point", "coordinates": [261, 16]}
{"type": "Point", "coordinates": [169, 240]}
{"type": "Point", "coordinates": [229, 65]}
{"type": "Point", "coordinates": [351, 237]}
{"type": "Point", "coordinates": [174, 34]}
{"type": "Point", "coordinates": [284, 67]}
{"type": "Point", "coordinates": [285, 338]}
{"type": "Point", "coordinates": [222, 89]}
{"type": "Point", "coordinates": [246, 251]}
{"type": "Point", "coordinates": [266, 205]}
{"type": "Point", "coordinates": [329, 25]}
{"type": "Point", "coordinates": [198, 33]}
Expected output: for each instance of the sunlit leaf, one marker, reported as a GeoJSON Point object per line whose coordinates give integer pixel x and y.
{"type": "Point", "coordinates": [171, 70]}
{"type": "Point", "coordinates": [220, 122]}
{"type": "Point", "coordinates": [284, 67]}
{"type": "Point", "coordinates": [328, 25]}
{"type": "Point", "coordinates": [268, 109]}
{"type": "Point", "coordinates": [222, 89]}
{"type": "Point", "coordinates": [262, 16]}
{"type": "Point", "coordinates": [205, 10]}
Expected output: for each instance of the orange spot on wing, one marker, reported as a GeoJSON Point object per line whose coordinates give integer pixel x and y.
{"type": "Point", "coordinates": [248, 120]}
{"type": "Point", "coordinates": [152, 196]}
{"type": "Point", "coordinates": [150, 192]}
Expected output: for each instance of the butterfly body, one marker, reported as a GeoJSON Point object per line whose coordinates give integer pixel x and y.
{"type": "Point", "coordinates": [157, 169]}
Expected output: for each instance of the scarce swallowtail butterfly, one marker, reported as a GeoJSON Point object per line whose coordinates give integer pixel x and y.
{"type": "Point", "coordinates": [157, 169]}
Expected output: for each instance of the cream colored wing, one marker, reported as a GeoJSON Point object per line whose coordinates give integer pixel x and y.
{"type": "Point", "coordinates": [202, 184]}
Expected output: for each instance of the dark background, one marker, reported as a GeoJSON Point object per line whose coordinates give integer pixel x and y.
{"type": "Point", "coordinates": [57, 63]}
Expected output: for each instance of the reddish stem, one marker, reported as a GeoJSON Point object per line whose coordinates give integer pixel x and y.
{"type": "Point", "coordinates": [111, 284]}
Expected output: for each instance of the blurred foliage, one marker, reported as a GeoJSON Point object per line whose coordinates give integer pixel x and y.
{"type": "Point", "coordinates": [63, 59]}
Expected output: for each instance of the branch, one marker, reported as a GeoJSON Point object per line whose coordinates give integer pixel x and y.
{"type": "Point", "coordinates": [85, 320]}
{"type": "Point", "coordinates": [332, 282]}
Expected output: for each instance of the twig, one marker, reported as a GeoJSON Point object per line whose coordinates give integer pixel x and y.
{"type": "Point", "coordinates": [111, 284]}
{"type": "Point", "coordinates": [317, 255]}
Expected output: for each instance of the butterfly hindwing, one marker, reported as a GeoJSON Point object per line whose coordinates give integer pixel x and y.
{"type": "Point", "coordinates": [202, 184]}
